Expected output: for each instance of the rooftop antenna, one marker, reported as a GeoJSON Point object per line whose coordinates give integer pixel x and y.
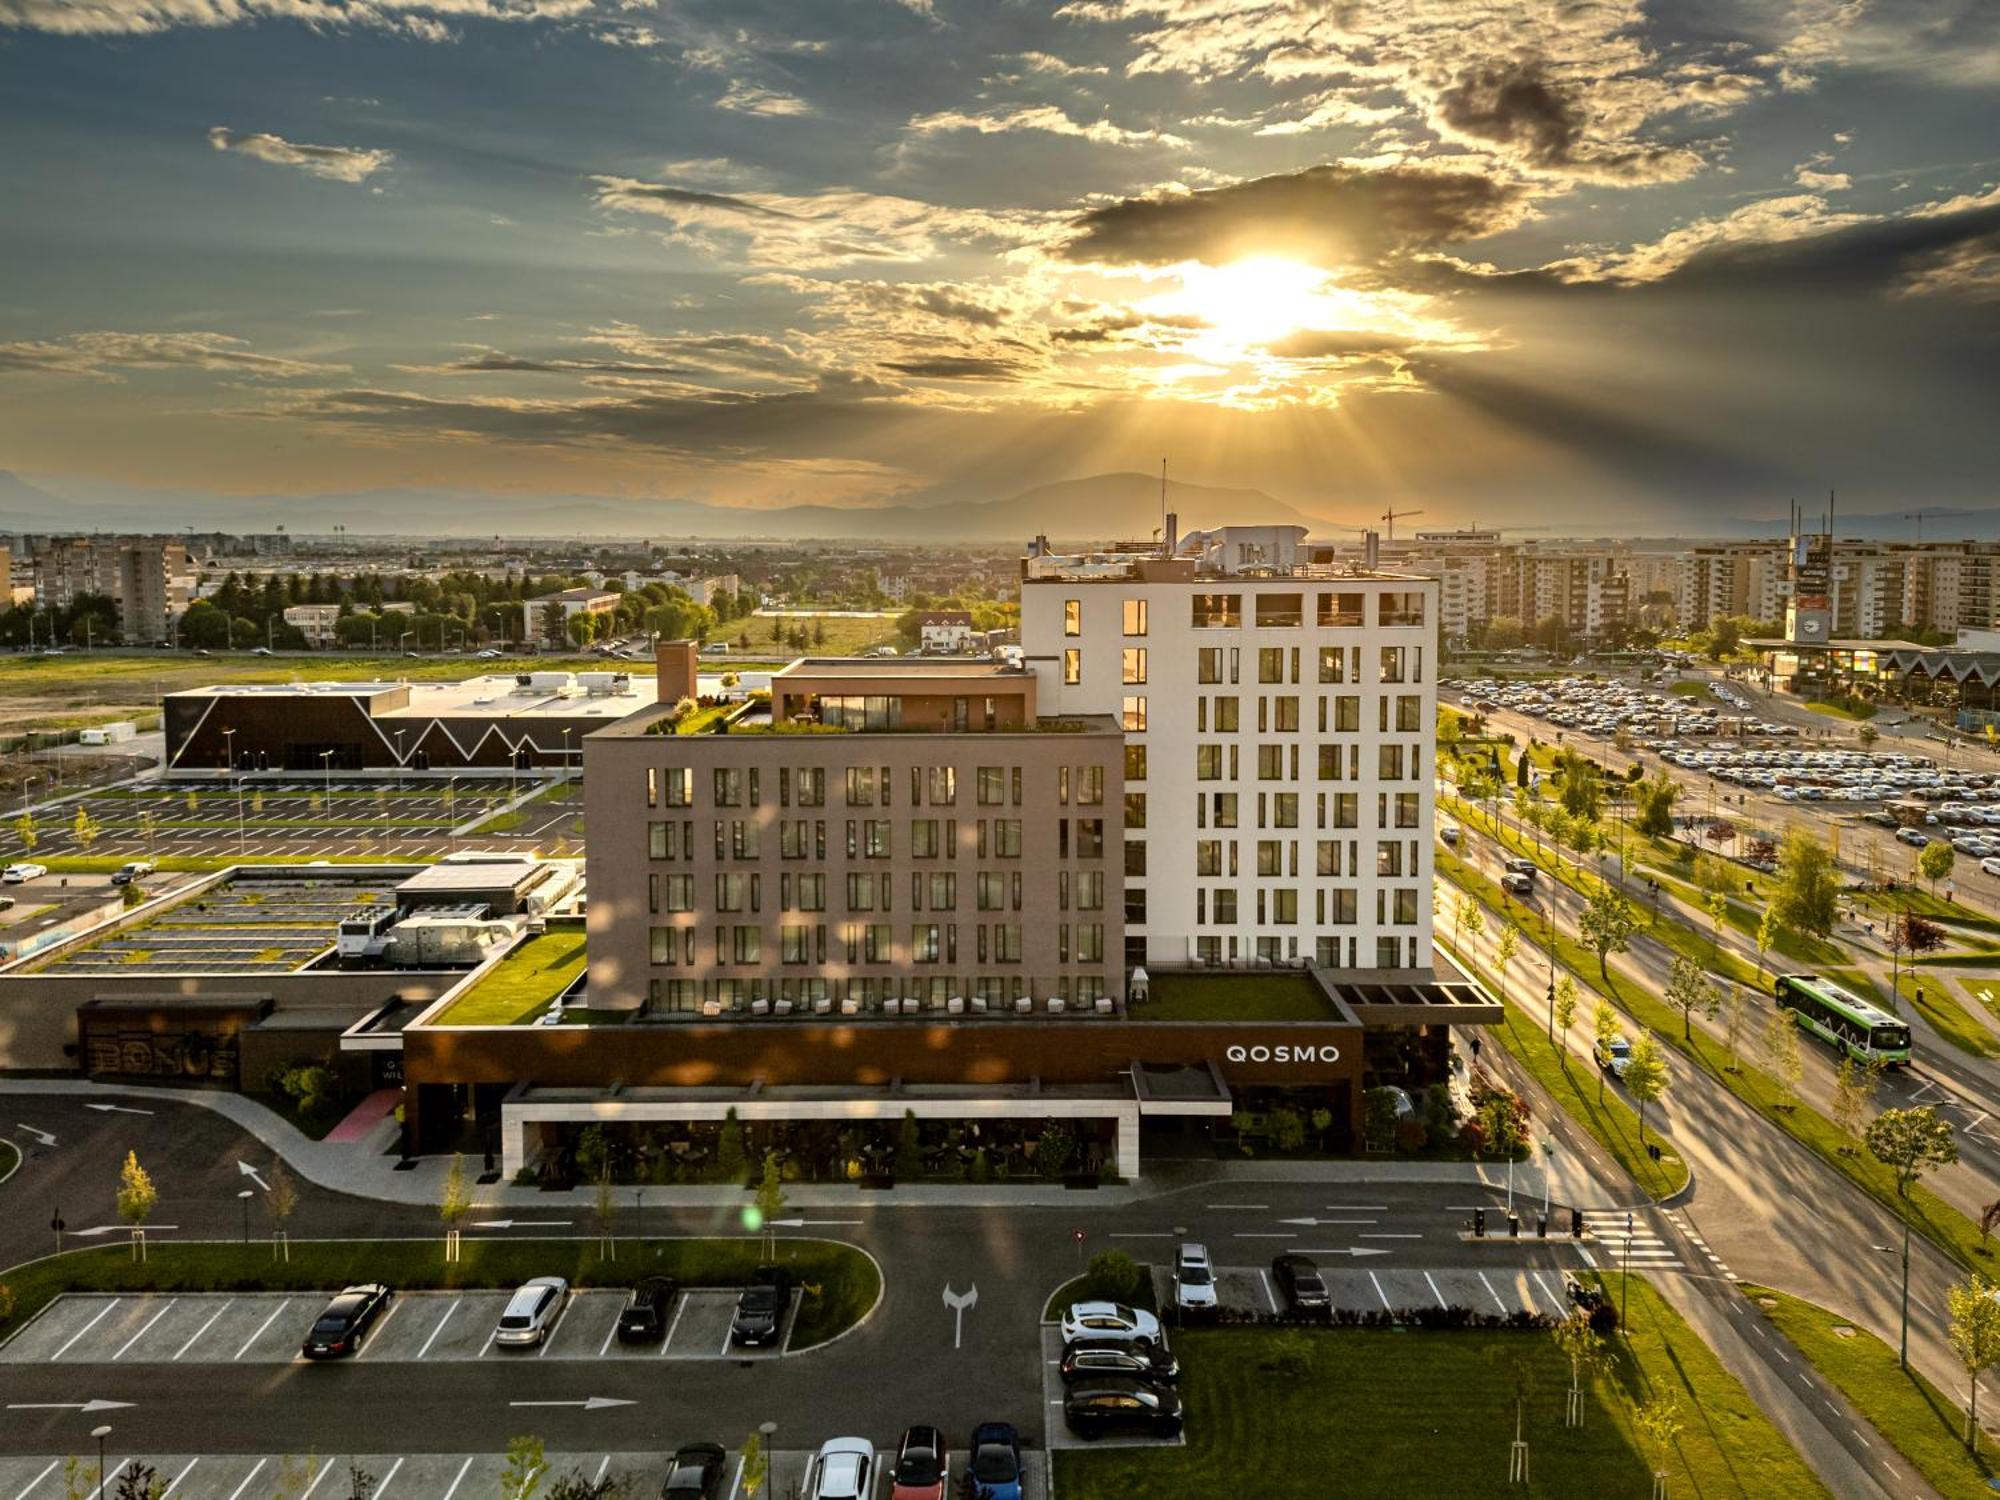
{"type": "Point", "coordinates": [1163, 502]}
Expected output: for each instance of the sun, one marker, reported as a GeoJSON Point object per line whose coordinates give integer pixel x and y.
{"type": "Point", "coordinates": [1247, 303]}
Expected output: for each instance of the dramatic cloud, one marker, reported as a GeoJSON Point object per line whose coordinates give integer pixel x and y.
{"type": "Point", "coordinates": [335, 163]}
{"type": "Point", "coordinates": [1331, 214]}
{"type": "Point", "coordinates": [104, 355]}
{"type": "Point", "coordinates": [415, 18]}
{"type": "Point", "coordinates": [753, 99]}
{"type": "Point", "coordinates": [1515, 108]}
{"type": "Point", "coordinates": [1046, 119]}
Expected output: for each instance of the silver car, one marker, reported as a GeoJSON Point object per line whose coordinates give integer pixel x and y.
{"type": "Point", "coordinates": [532, 1311]}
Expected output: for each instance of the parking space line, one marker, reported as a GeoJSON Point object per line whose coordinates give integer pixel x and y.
{"type": "Point", "coordinates": [195, 1337]}
{"type": "Point", "coordinates": [1493, 1294]}
{"type": "Point", "coordinates": [1536, 1277]}
{"type": "Point", "coordinates": [375, 1333]}
{"type": "Point", "coordinates": [382, 1488]}
{"type": "Point", "coordinates": [602, 1464]}
{"type": "Point", "coordinates": [260, 1329]}
{"type": "Point", "coordinates": [145, 1330]}
{"type": "Point", "coordinates": [168, 1492]}
{"type": "Point", "coordinates": [452, 1308]}
{"type": "Point", "coordinates": [1435, 1292]}
{"type": "Point", "coordinates": [555, 1327]}
{"type": "Point", "coordinates": [489, 1340]}
{"type": "Point", "coordinates": [237, 1493]}
{"type": "Point", "coordinates": [680, 1306]}
{"type": "Point", "coordinates": [609, 1334]}
{"type": "Point", "coordinates": [85, 1329]}
{"type": "Point", "coordinates": [325, 1468]}
{"type": "Point", "coordinates": [27, 1488]}
{"type": "Point", "coordinates": [735, 1481]}
{"type": "Point", "coordinates": [1380, 1293]}
{"type": "Point", "coordinates": [1269, 1295]}
{"type": "Point", "coordinates": [727, 1334]}
{"type": "Point", "coordinates": [459, 1479]}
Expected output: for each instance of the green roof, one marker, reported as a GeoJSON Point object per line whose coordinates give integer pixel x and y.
{"type": "Point", "coordinates": [1183, 996]}
{"type": "Point", "coordinates": [521, 986]}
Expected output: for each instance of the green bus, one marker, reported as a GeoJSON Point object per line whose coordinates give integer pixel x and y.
{"type": "Point", "coordinates": [1852, 1024]}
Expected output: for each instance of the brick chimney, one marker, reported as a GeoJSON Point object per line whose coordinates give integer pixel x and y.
{"type": "Point", "coordinates": [675, 664]}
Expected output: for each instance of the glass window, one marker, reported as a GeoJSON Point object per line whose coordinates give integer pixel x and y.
{"type": "Point", "coordinates": [1280, 609]}
{"type": "Point", "coordinates": [1135, 616]}
{"type": "Point", "coordinates": [1090, 786]}
{"type": "Point", "coordinates": [811, 784]}
{"type": "Point", "coordinates": [1208, 762]}
{"type": "Point", "coordinates": [1132, 713]}
{"type": "Point", "coordinates": [1222, 903]}
{"type": "Point", "coordinates": [1333, 664]}
{"type": "Point", "coordinates": [1271, 664]}
{"type": "Point", "coordinates": [1341, 609]}
{"type": "Point", "coordinates": [860, 786]}
{"type": "Point", "coordinates": [1270, 762]}
{"type": "Point", "coordinates": [1135, 809]}
{"type": "Point", "coordinates": [1090, 838]}
{"type": "Point", "coordinates": [1208, 664]}
{"type": "Point", "coordinates": [1135, 762]}
{"type": "Point", "coordinates": [1218, 611]}
{"type": "Point", "coordinates": [1226, 715]}
{"type": "Point", "coordinates": [811, 893]}
{"type": "Point", "coordinates": [924, 838]}
{"type": "Point", "coordinates": [1403, 608]}
{"type": "Point", "coordinates": [1406, 809]}
{"type": "Point", "coordinates": [1285, 714]}
{"type": "Point", "coordinates": [1284, 809]}
{"type": "Point", "coordinates": [1208, 857]}
{"type": "Point", "coordinates": [991, 785]}
{"type": "Point", "coordinates": [1224, 810]}
{"type": "Point", "coordinates": [1285, 905]}
{"type": "Point", "coordinates": [1072, 666]}
{"type": "Point", "coordinates": [943, 786]}
{"type": "Point", "coordinates": [678, 784]}
{"type": "Point", "coordinates": [1133, 664]}
{"type": "Point", "coordinates": [1135, 857]}
{"type": "Point", "coordinates": [677, 893]}
{"type": "Point", "coordinates": [1393, 664]}
{"type": "Point", "coordinates": [1347, 713]}
{"type": "Point", "coordinates": [1346, 809]}
{"type": "Point", "coordinates": [1007, 838]}
{"type": "Point", "coordinates": [1072, 617]}
{"type": "Point", "coordinates": [1389, 857]}
{"type": "Point", "coordinates": [1389, 762]}
{"type": "Point", "coordinates": [1409, 713]}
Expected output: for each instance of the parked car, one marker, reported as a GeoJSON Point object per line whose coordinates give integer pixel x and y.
{"type": "Point", "coordinates": [1449, 833]}
{"type": "Point", "coordinates": [1915, 838]}
{"type": "Point", "coordinates": [643, 1319]}
{"type": "Point", "coordinates": [6, 902]}
{"type": "Point", "coordinates": [1116, 1403]}
{"type": "Point", "coordinates": [1135, 1357]}
{"type": "Point", "coordinates": [16, 874]}
{"type": "Point", "coordinates": [1112, 1320]}
{"type": "Point", "coordinates": [1299, 1281]}
{"type": "Point", "coordinates": [263, 651]}
{"type": "Point", "coordinates": [695, 1473]}
{"type": "Point", "coordinates": [922, 1464]}
{"type": "Point", "coordinates": [760, 1311]}
{"type": "Point", "coordinates": [532, 1311]}
{"type": "Point", "coordinates": [994, 1464]}
{"type": "Point", "coordinates": [843, 1469]}
{"type": "Point", "coordinates": [1194, 1280]}
{"type": "Point", "coordinates": [131, 870]}
{"type": "Point", "coordinates": [1615, 1055]}
{"type": "Point", "coordinates": [1990, 866]}
{"type": "Point", "coordinates": [345, 1321]}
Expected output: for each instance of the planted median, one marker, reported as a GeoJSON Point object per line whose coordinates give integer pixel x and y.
{"type": "Point", "coordinates": [842, 1284]}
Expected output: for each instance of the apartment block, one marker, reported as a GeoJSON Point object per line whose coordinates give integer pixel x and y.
{"type": "Point", "coordinates": [148, 578]}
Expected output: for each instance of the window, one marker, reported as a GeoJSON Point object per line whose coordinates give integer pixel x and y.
{"type": "Point", "coordinates": [1224, 815]}
{"type": "Point", "coordinates": [1389, 857]}
{"type": "Point", "coordinates": [1090, 838]}
{"type": "Point", "coordinates": [1007, 838]}
{"type": "Point", "coordinates": [942, 786]}
{"type": "Point", "coordinates": [746, 944]}
{"type": "Point", "coordinates": [1346, 810]}
{"type": "Point", "coordinates": [1347, 713]}
{"type": "Point", "coordinates": [1394, 664]}
{"type": "Point", "coordinates": [810, 784]}
{"type": "Point", "coordinates": [860, 786]}
{"type": "Point", "coordinates": [1072, 617]}
{"type": "Point", "coordinates": [1403, 608]}
{"type": "Point", "coordinates": [1409, 713]}
{"type": "Point", "coordinates": [852, 711]}
{"type": "Point", "coordinates": [1222, 904]}
{"type": "Point", "coordinates": [728, 787]}
{"type": "Point", "coordinates": [1007, 942]}
{"type": "Point", "coordinates": [1270, 762]}
{"type": "Point", "coordinates": [677, 893]}
{"type": "Point", "coordinates": [1406, 809]}
{"type": "Point", "coordinates": [1280, 609]}
{"type": "Point", "coordinates": [1285, 810]}
{"type": "Point", "coordinates": [1270, 663]}
{"type": "Point", "coordinates": [878, 943]}
{"type": "Point", "coordinates": [1343, 908]}
{"type": "Point", "coordinates": [860, 892]}
{"type": "Point", "coordinates": [1072, 666]}
{"type": "Point", "coordinates": [1405, 914]}
{"type": "Point", "coordinates": [1285, 714]}
{"type": "Point", "coordinates": [925, 945]}
{"type": "Point", "coordinates": [671, 945]}
{"type": "Point", "coordinates": [1135, 857]}
{"type": "Point", "coordinates": [811, 892]}
{"type": "Point", "coordinates": [1285, 905]}
{"type": "Point", "coordinates": [1090, 890]}
{"type": "Point", "coordinates": [678, 784]}
{"type": "Point", "coordinates": [1132, 714]}
{"type": "Point", "coordinates": [1389, 762]}
{"type": "Point", "coordinates": [1135, 762]}
{"type": "Point", "coordinates": [1090, 786]}
{"type": "Point", "coordinates": [1333, 664]}
{"type": "Point", "coordinates": [1133, 665]}
{"type": "Point", "coordinates": [746, 839]}
{"type": "Point", "coordinates": [1135, 809]}
{"type": "Point", "coordinates": [1090, 943]}
{"type": "Point", "coordinates": [990, 784]}
{"type": "Point", "coordinates": [990, 890]}
{"type": "Point", "coordinates": [1208, 664]}
{"type": "Point", "coordinates": [660, 840]}
{"type": "Point", "coordinates": [1227, 715]}
{"type": "Point", "coordinates": [1135, 616]}
{"type": "Point", "coordinates": [1208, 857]}
{"type": "Point", "coordinates": [1341, 609]}
{"type": "Point", "coordinates": [1218, 611]}
{"type": "Point", "coordinates": [732, 892]}
{"type": "Point", "coordinates": [875, 838]}
{"type": "Point", "coordinates": [1270, 857]}
{"type": "Point", "coordinates": [924, 838]}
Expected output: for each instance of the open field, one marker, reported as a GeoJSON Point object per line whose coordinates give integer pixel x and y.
{"type": "Point", "coordinates": [843, 635]}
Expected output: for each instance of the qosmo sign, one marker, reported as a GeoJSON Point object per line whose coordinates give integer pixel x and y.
{"type": "Point", "coordinates": [1282, 1055]}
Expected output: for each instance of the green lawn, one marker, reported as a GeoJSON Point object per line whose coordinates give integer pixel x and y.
{"type": "Point", "coordinates": [842, 1284]}
{"type": "Point", "coordinates": [1887, 905]}
{"type": "Point", "coordinates": [1929, 997]}
{"type": "Point", "coordinates": [844, 636]}
{"type": "Point", "coordinates": [1383, 1414]}
{"type": "Point", "coordinates": [521, 985]}
{"type": "Point", "coordinates": [1925, 1425]}
{"type": "Point", "coordinates": [1233, 997]}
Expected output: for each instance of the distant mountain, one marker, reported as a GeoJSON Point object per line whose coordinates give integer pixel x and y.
{"type": "Point", "coordinates": [1103, 507]}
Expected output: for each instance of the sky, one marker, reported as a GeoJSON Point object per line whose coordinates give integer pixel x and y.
{"type": "Point", "coordinates": [1575, 263]}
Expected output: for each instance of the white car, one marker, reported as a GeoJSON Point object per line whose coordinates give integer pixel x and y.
{"type": "Point", "coordinates": [843, 1469]}
{"type": "Point", "coordinates": [1615, 1055]}
{"type": "Point", "coordinates": [532, 1311]}
{"type": "Point", "coordinates": [1108, 1320]}
{"type": "Point", "coordinates": [1194, 1279]}
{"type": "Point", "coordinates": [16, 874]}
{"type": "Point", "coordinates": [1990, 866]}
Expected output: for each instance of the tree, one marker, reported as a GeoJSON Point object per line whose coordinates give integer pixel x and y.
{"type": "Point", "coordinates": [1521, 1386]}
{"type": "Point", "coordinates": [575, 1486]}
{"type": "Point", "coordinates": [1578, 786]}
{"type": "Point", "coordinates": [1935, 863]}
{"type": "Point", "coordinates": [1606, 925]}
{"type": "Point", "coordinates": [1563, 1014]}
{"type": "Point", "coordinates": [454, 1198]}
{"type": "Point", "coordinates": [26, 831]}
{"type": "Point", "coordinates": [527, 1464]}
{"type": "Point", "coordinates": [1647, 1076]}
{"type": "Point", "coordinates": [137, 1198]}
{"type": "Point", "coordinates": [1781, 1048]}
{"type": "Point", "coordinates": [1655, 798]}
{"type": "Point", "coordinates": [1868, 734]}
{"type": "Point", "coordinates": [604, 1210]}
{"type": "Point", "coordinates": [1910, 1142]}
{"type": "Point", "coordinates": [1585, 1351]}
{"type": "Point", "coordinates": [908, 1164]}
{"type": "Point", "coordinates": [84, 829]}
{"type": "Point", "coordinates": [1733, 1016]}
{"type": "Point", "coordinates": [281, 1201]}
{"type": "Point", "coordinates": [770, 1200]}
{"type": "Point", "coordinates": [1717, 906]}
{"type": "Point", "coordinates": [1505, 947]}
{"type": "Point", "coordinates": [1659, 1420]}
{"type": "Point", "coordinates": [756, 1465]}
{"type": "Point", "coordinates": [1769, 930]}
{"type": "Point", "coordinates": [730, 1159]}
{"type": "Point", "coordinates": [1853, 1090]}
{"type": "Point", "coordinates": [1808, 884]}
{"type": "Point", "coordinates": [1974, 1335]}
{"type": "Point", "coordinates": [137, 1481]}
{"type": "Point", "coordinates": [1604, 1023]}
{"type": "Point", "coordinates": [1689, 990]}
{"type": "Point", "coordinates": [1467, 915]}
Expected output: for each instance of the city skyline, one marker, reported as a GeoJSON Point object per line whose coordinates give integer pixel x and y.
{"type": "Point", "coordinates": [1607, 271]}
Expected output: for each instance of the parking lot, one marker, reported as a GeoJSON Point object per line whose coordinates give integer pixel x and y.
{"type": "Point", "coordinates": [267, 1328]}
{"type": "Point", "coordinates": [1501, 1291]}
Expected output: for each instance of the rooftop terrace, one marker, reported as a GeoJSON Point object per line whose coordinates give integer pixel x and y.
{"type": "Point", "coordinates": [519, 989]}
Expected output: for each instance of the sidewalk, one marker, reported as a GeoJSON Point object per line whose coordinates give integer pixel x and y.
{"type": "Point", "coordinates": [364, 1165]}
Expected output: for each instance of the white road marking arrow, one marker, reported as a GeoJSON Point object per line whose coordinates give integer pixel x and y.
{"type": "Point", "coordinates": [591, 1403]}
{"type": "Point", "coordinates": [251, 1172]}
{"type": "Point", "coordinates": [1316, 1223]}
{"type": "Point", "coordinates": [959, 1304]}
{"type": "Point", "coordinates": [41, 1135]}
{"type": "Point", "coordinates": [117, 1109]}
{"type": "Point", "coordinates": [802, 1223]}
{"type": "Point", "coordinates": [1356, 1250]}
{"type": "Point", "coordinates": [84, 1234]}
{"type": "Point", "coordinates": [521, 1223]}
{"type": "Point", "coordinates": [85, 1406]}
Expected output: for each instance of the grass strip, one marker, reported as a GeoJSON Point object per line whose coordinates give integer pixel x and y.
{"type": "Point", "coordinates": [842, 1283]}
{"type": "Point", "coordinates": [1934, 1002]}
{"type": "Point", "coordinates": [1258, 1400]}
{"type": "Point", "coordinates": [1926, 1213]}
{"type": "Point", "coordinates": [1924, 1424]}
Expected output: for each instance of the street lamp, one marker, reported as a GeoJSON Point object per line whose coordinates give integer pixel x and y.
{"type": "Point", "coordinates": [399, 758]}
{"type": "Point", "coordinates": [326, 768]}
{"type": "Point", "coordinates": [451, 811]}
{"type": "Point", "coordinates": [567, 732]}
{"type": "Point", "coordinates": [244, 1198]}
{"type": "Point", "coordinates": [237, 781]}
{"type": "Point", "coordinates": [100, 1433]}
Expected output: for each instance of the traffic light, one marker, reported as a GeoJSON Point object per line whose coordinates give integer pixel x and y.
{"type": "Point", "coordinates": [1479, 1223]}
{"type": "Point", "coordinates": [1576, 1223]}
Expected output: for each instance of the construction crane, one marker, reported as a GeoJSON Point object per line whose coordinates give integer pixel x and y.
{"type": "Point", "coordinates": [1918, 517]}
{"type": "Point", "coordinates": [1389, 519]}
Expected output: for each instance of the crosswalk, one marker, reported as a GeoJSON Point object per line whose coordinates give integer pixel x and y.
{"type": "Point", "coordinates": [1641, 1246]}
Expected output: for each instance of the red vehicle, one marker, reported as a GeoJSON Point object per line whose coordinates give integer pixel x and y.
{"type": "Point", "coordinates": [922, 1462]}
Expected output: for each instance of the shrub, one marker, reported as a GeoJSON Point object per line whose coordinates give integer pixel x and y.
{"type": "Point", "coordinates": [1055, 1149]}
{"type": "Point", "coordinates": [1288, 1130]}
{"type": "Point", "coordinates": [1113, 1276]}
{"type": "Point", "coordinates": [1412, 1135]}
{"type": "Point", "coordinates": [909, 1160]}
{"type": "Point", "coordinates": [1604, 1319]}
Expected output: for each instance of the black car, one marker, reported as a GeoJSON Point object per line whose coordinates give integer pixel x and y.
{"type": "Point", "coordinates": [695, 1473]}
{"type": "Point", "coordinates": [1141, 1359]}
{"type": "Point", "coordinates": [340, 1328]}
{"type": "Point", "coordinates": [1116, 1403]}
{"type": "Point", "coordinates": [644, 1317]}
{"type": "Point", "coordinates": [760, 1311]}
{"type": "Point", "coordinates": [1304, 1288]}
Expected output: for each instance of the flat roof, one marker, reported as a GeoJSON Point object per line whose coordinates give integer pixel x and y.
{"type": "Point", "coordinates": [954, 668]}
{"type": "Point", "coordinates": [450, 877]}
{"type": "Point", "coordinates": [497, 695]}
